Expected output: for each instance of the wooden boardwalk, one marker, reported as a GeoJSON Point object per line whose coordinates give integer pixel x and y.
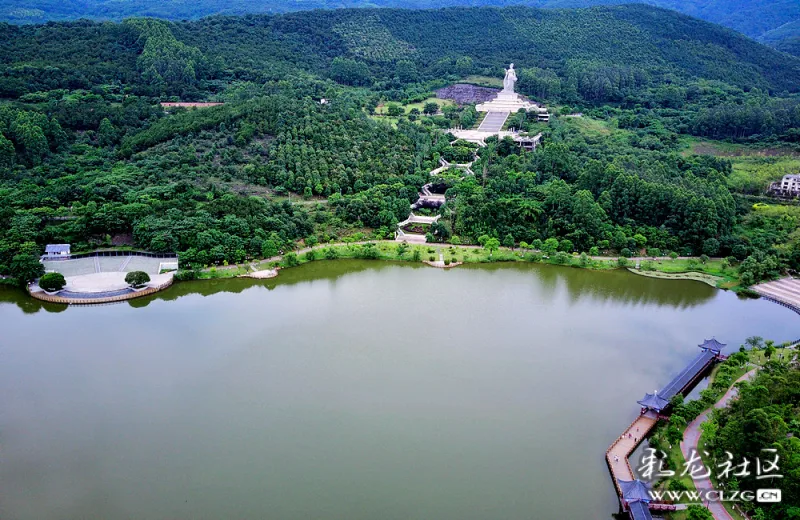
{"type": "Point", "coordinates": [618, 453]}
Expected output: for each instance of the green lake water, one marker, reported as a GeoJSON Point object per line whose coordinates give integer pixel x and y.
{"type": "Point", "coordinates": [348, 390]}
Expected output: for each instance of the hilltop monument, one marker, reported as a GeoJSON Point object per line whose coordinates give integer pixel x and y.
{"type": "Point", "coordinates": [498, 110]}
{"type": "Point", "coordinates": [507, 100]}
{"type": "Point", "coordinates": [509, 80]}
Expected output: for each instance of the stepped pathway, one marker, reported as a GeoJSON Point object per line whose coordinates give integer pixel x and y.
{"type": "Point", "coordinates": [493, 122]}
{"type": "Point", "coordinates": [426, 197]}
{"type": "Point", "coordinates": [785, 291]}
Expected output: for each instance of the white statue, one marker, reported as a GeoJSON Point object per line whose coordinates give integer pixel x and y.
{"type": "Point", "coordinates": [509, 80]}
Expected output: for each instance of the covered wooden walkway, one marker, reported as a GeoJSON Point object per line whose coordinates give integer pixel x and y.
{"type": "Point", "coordinates": [631, 491]}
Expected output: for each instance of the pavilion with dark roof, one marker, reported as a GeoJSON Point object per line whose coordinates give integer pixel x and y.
{"type": "Point", "coordinates": [635, 494]}
{"type": "Point", "coordinates": [653, 402]}
{"type": "Point", "coordinates": [713, 345]}
{"type": "Point", "coordinates": [710, 353]}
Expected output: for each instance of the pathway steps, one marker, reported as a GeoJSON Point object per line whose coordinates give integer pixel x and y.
{"type": "Point", "coordinates": [493, 122]}
{"type": "Point", "coordinates": [785, 290]}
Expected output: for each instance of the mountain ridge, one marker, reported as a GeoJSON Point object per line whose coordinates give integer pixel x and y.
{"type": "Point", "coordinates": [750, 17]}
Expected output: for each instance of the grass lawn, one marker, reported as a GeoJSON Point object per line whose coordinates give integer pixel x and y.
{"type": "Point", "coordinates": [757, 357]}
{"type": "Point", "coordinates": [752, 174]}
{"type": "Point", "coordinates": [589, 126]}
{"type": "Point", "coordinates": [481, 117]}
{"type": "Point", "coordinates": [385, 119]}
{"type": "Point", "coordinates": [712, 272]}
{"type": "Point", "coordinates": [725, 149]}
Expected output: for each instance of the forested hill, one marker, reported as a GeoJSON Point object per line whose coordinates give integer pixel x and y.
{"type": "Point", "coordinates": [754, 18]}
{"type": "Point", "coordinates": [602, 53]}
{"type": "Point", "coordinates": [89, 157]}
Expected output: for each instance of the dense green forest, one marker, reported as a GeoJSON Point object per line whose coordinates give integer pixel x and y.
{"type": "Point", "coordinates": [765, 416]}
{"type": "Point", "coordinates": [88, 156]}
{"type": "Point", "coordinates": [773, 21]}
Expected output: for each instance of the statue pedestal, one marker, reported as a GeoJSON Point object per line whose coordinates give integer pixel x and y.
{"type": "Point", "coordinates": [509, 102]}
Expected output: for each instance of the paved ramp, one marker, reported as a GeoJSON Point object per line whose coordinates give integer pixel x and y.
{"type": "Point", "coordinates": [493, 122]}
{"type": "Point", "coordinates": [785, 291]}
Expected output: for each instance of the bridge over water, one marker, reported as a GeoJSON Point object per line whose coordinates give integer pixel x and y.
{"type": "Point", "coordinates": [633, 493]}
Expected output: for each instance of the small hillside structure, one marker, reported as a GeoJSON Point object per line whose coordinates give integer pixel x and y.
{"type": "Point", "coordinates": [56, 251]}
{"type": "Point", "coordinates": [787, 187]}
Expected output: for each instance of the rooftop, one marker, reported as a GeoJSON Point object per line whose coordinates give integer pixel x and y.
{"type": "Point", "coordinates": [634, 490]}
{"type": "Point", "coordinates": [56, 248]}
{"type": "Point", "coordinates": [712, 344]}
{"type": "Point", "coordinates": [653, 401]}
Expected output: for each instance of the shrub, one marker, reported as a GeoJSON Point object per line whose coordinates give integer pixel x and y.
{"type": "Point", "coordinates": [137, 278]}
{"type": "Point", "coordinates": [446, 261]}
{"type": "Point", "coordinates": [186, 275]}
{"type": "Point", "coordinates": [311, 256]}
{"type": "Point", "coordinates": [622, 261]}
{"type": "Point", "coordinates": [52, 282]}
{"type": "Point", "coordinates": [331, 253]}
{"type": "Point", "coordinates": [561, 258]}
{"type": "Point", "coordinates": [416, 256]}
{"type": "Point", "coordinates": [291, 260]}
{"type": "Point", "coordinates": [431, 258]}
{"type": "Point", "coordinates": [369, 251]}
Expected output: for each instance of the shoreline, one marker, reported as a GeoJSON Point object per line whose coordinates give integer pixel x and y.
{"type": "Point", "coordinates": [663, 267]}
{"type": "Point", "coordinates": [715, 272]}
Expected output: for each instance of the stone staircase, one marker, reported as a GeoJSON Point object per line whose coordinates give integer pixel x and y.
{"type": "Point", "coordinates": [427, 199]}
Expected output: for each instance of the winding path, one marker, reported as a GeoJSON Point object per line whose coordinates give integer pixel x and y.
{"type": "Point", "coordinates": [691, 438]}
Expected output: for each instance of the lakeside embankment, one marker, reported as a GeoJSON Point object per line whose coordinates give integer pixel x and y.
{"type": "Point", "coordinates": [716, 272]}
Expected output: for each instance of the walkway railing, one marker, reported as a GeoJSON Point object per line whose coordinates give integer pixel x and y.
{"type": "Point", "coordinates": [54, 298]}
{"type": "Point", "coordinates": [790, 306]}
{"type": "Point", "coordinates": [111, 253]}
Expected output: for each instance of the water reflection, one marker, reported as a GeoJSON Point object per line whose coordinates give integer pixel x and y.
{"type": "Point", "coordinates": [581, 285]}
{"type": "Point", "coordinates": [345, 390]}
{"type": "Point", "coordinates": [620, 285]}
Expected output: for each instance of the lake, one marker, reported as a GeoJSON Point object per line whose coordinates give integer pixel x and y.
{"type": "Point", "coordinates": [346, 390]}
